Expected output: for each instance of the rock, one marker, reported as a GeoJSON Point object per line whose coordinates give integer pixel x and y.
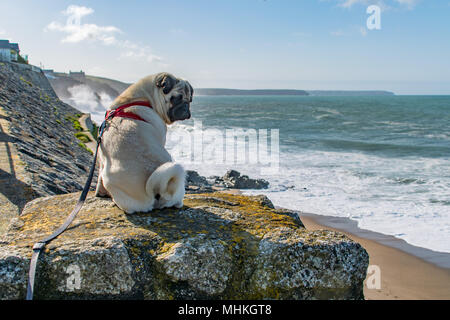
{"type": "Point", "coordinates": [233, 179]}
{"type": "Point", "coordinates": [231, 174]}
{"type": "Point", "coordinates": [265, 201]}
{"type": "Point", "coordinates": [218, 246]}
{"type": "Point", "coordinates": [193, 178]}
{"type": "Point", "coordinates": [196, 183]}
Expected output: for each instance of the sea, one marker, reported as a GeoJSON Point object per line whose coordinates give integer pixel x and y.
{"type": "Point", "coordinates": [382, 161]}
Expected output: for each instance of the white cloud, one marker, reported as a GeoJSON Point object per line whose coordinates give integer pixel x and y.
{"type": "Point", "coordinates": [77, 32]}
{"type": "Point", "coordinates": [350, 3]}
{"type": "Point", "coordinates": [142, 53]}
{"type": "Point", "coordinates": [384, 4]}
{"type": "Point", "coordinates": [78, 11]}
{"type": "Point", "coordinates": [409, 3]}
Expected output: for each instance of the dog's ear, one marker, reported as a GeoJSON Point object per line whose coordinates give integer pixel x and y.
{"type": "Point", "coordinates": [166, 81]}
{"type": "Point", "coordinates": [191, 89]}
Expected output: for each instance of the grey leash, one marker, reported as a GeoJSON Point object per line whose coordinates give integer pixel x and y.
{"type": "Point", "coordinates": [39, 246]}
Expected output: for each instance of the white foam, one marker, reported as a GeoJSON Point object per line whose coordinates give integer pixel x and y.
{"type": "Point", "coordinates": [84, 99]}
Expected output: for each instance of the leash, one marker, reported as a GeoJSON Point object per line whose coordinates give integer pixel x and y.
{"type": "Point", "coordinates": [40, 245]}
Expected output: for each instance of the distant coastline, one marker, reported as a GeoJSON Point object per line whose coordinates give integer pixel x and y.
{"type": "Point", "coordinates": [61, 82]}
{"type": "Point", "coordinates": [288, 92]}
{"type": "Point", "coordinates": [350, 93]}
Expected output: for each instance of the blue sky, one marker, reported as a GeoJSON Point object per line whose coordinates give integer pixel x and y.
{"type": "Point", "coordinates": [309, 44]}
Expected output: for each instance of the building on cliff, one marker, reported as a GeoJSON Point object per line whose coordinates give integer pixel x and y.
{"type": "Point", "coordinates": [9, 51]}
{"type": "Point", "coordinates": [49, 73]}
{"type": "Point", "coordinates": [77, 75]}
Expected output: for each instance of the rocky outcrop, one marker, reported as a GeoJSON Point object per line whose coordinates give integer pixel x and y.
{"type": "Point", "coordinates": [196, 183]}
{"type": "Point", "coordinates": [232, 179]}
{"type": "Point", "coordinates": [218, 246]}
{"type": "Point", "coordinates": [41, 129]}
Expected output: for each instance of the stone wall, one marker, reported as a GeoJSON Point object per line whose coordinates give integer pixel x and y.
{"type": "Point", "coordinates": [39, 149]}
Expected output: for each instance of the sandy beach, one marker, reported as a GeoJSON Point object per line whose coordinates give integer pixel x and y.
{"type": "Point", "coordinates": [404, 275]}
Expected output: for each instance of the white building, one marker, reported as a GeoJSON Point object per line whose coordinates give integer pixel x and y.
{"type": "Point", "coordinates": [9, 51]}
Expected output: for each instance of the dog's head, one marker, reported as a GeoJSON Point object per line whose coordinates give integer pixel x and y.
{"type": "Point", "coordinates": [176, 94]}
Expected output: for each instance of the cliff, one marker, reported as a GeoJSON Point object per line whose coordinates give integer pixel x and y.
{"type": "Point", "coordinates": [289, 92]}
{"type": "Point", "coordinates": [62, 82]}
{"type": "Point", "coordinates": [218, 246]}
{"type": "Point", "coordinates": [256, 92]}
{"type": "Point", "coordinates": [346, 93]}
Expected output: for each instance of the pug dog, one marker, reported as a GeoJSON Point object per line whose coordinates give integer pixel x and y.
{"type": "Point", "coordinates": [135, 169]}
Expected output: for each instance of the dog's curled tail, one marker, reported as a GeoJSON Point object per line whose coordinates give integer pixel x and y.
{"type": "Point", "coordinates": [167, 180]}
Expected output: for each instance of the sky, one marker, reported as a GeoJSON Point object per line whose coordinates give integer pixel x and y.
{"type": "Point", "coordinates": [247, 44]}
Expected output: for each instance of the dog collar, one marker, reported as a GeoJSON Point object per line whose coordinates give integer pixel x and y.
{"type": "Point", "coordinates": [119, 111]}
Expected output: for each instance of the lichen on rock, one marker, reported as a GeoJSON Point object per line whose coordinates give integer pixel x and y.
{"type": "Point", "coordinates": [218, 246]}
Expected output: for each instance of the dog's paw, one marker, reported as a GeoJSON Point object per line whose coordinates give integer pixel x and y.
{"type": "Point", "coordinates": [102, 195]}
{"type": "Point", "coordinates": [179, 205]}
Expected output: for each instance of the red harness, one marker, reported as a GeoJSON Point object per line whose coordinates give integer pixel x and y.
{"type": "Point", "coordinates": [119, 111]}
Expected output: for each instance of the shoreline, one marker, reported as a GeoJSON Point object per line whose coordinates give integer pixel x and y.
{"type": "Point", "coordinates": [439, 259]}
{"type": "Point", "coordinates": [407, 272]}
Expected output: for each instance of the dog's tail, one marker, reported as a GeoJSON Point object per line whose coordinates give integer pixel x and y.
{"type": "Point", "coordinates": [167, 180]}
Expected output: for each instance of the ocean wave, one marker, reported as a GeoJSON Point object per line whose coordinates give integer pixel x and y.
{"type": "Point", "coordinates": [387, 148]}
{"type": "Point", "coordinates": [402, 198]}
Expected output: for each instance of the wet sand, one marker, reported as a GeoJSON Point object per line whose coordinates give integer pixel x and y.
{"type": "Point", "coordinates": [407, 272]}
